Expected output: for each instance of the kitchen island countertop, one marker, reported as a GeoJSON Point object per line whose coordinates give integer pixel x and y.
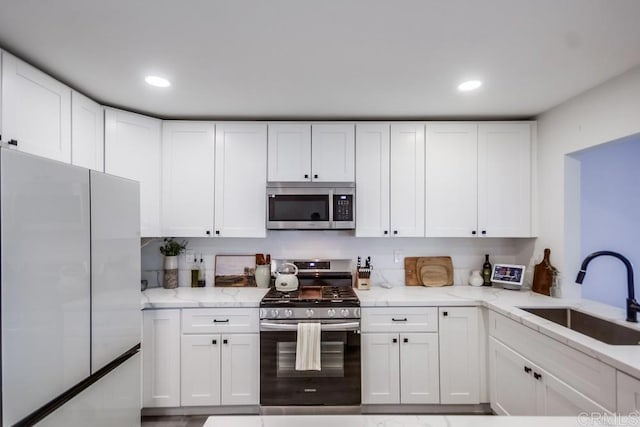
{"type": "Point", "coordinates": [395, 421]}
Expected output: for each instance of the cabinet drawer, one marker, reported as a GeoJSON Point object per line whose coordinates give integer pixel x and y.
{"type": "Point", "coordinates": [589, 376]}
{"type": "Point", "coordinates": [400, 319]}
{"type": "Point", "coordinates": [219, 320]}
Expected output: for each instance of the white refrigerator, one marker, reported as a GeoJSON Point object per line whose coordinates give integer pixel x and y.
{"type": "Point", "coordinates": [69, 297]}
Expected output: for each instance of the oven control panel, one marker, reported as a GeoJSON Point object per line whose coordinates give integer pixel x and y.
{"type": "Point", "coordinates": [310, 313]}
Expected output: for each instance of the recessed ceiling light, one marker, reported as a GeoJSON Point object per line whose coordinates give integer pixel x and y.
{"type": "Point", "coordinates": [469, 85]}
{"type": "Point", "coordinates": [157, 81]}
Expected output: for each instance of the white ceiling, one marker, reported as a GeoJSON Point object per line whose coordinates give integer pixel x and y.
{"type": "Point", "coordinates": [324, 59]}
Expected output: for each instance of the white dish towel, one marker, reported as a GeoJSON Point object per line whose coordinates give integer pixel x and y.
{"type": "Point", "coordinates": [308, 347]}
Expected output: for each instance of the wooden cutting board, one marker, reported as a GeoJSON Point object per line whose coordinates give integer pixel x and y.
{"type": "Point", "coordinates": [428, 271]}
{"type": "Point", "coordinates": [543, 275]}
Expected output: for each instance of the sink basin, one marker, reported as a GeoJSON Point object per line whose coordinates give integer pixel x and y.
{"type": "Point", "coordinates": [594, 327]}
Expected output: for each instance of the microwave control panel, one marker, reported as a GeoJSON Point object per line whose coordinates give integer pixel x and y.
{"type": "Point", "coordinates": [343, 207]}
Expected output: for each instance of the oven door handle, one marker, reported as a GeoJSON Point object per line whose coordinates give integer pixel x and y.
{"type": "Point", "coordinates": [349, 326]}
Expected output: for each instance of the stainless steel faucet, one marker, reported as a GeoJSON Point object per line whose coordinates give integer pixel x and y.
{"type": "Point", "coordinates": [632, 305]}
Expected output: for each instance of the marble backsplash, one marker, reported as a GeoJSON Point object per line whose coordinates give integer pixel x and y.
{"type": "Point", "coordinates": [467, 253]}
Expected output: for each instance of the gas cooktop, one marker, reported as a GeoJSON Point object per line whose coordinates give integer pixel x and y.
{"type": "Point", "coordinates": [325, 291]}
{"type": "Point", "coordinates": [312, 294]}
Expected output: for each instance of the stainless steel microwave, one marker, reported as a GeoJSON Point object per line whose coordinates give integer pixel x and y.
{"type": "Point", "coordinates": [311, 206]}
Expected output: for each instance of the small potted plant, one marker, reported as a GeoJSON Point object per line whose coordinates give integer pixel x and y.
{"type": "Point", "coordinates": [171, 249]}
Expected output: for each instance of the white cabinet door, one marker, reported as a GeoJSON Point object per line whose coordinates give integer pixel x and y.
{"type": "Point", "coordinates": [407, 180]}
{"type": "Point", "coordinates": [241, 180]}
{"type": "Point", "coordinates": [557, 399]}
{"type": "Point", "coordinates": [628, 394]}
{"type": "Point", "coordinates": [133, 150]}
{"type": "Point", "coordinates": [240, 369]}
{"type": "Point", "coordinates": [380, 369]}
{"type": "Point", "coordinates": [187, 178]}
{"type": "Point", "coordinates": [504, 179]}
{"type": "Point", "coordinates": [459, 360]}
{"type": "Point", "coordinates": [511, 385]}
{"type": "Point", "coordinates": [419, 376]}
{"type": "Point", "coordinates": [36, 110]}
{"type": "Point", "coordinates": [200, 370]}
{"type": "Point", "coordinates": [333, 152]}
{"type": "Point", "coordinates": [372, 180]}
{"type": "Point", "coordinates": [289, 152]}
{"type": "Point", "coordinates": [87, 132]}
{"type": "Point", "coordinates": [161, 358]}
{"type": "Point", "coordinates": [451, 179]}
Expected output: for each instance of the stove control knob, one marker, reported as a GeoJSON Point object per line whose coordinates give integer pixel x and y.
{"type": "Point", "coordinates": [274, 313]}
{"type": "Point", "coordinates": [263, 313]}
{"type": "Point", "coordinates": [344, 312]}
{"type": "Point", "coordinates": [288, 313]}
{"type": "Point", "coordinates": [309, 312]}
{"type": "Point", "coordinates": [331, 312]}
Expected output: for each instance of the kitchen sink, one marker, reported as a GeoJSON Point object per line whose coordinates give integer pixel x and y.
{"type": "Point", "coordinates": [594, 327]}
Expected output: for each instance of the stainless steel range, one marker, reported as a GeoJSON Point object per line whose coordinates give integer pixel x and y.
{"type": "Point", "coordinates": [325, 295]}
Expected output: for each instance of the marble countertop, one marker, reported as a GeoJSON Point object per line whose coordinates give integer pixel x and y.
{"type": "Point", "coordinates": [625, 358]}
{"type": "Point", "coordinates": [396, 421]}
{"type": "Point", "coordinates": [202, 297]}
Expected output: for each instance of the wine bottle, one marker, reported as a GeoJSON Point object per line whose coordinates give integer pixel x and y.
{"type": "Point", "coordinates": [194, 273]}
{"type": "Point", "coordinates": [486, 271]}
{"type": "Point", "coordinates": [201, 274]}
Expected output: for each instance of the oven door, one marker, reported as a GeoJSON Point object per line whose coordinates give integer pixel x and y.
{"type": "Point", "coordinates": [337, 383]}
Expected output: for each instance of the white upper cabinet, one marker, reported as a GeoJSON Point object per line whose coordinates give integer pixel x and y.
{"type": "Point", "coordinates": [240, 180]}
{"type": "Point", "coordinates": [407, 179]}
{"type": "Point", "coordinates": [87, 132]}
{"type": "Point", "coordinates": [289, 152]}
{"type": "Point", "coordinates": [133, 150]}
{"type": "Point", "coordinates": [333, 152]}
{"type": "Point", "coordinates": [451, 179]}
{"type": "Point", "coordinates": [478, 179]}
{"type": "Point", "coordinates": [504, 179]}
{"type": "Point", "coordinates": [301, 152]}
{"type": "Point", "coordinates": [188, 153]}
{"type": "Point", "coordinates": [372, 180]}
{"type": "Point", "coordinates": [36, 111]}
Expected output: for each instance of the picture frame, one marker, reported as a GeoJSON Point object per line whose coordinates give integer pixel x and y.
{"type": "Point", "coordinates": [511, 276]}
{"type": "Point", "coordinates": [235, 271]}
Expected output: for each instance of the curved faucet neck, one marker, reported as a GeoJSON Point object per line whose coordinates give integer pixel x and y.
{"type": "Point", "coordinates": [631, 302]}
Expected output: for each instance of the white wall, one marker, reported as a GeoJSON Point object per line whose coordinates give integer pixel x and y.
{"type": "Point", "coordinates": [609, 212]}
{"type": "Point", "coordinates": [467, 253]}
{"type": "Point", "coordinates": [605, 113]}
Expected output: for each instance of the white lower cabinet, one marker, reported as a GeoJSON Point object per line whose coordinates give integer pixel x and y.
{"type": "Point", "coordinates": [628, 394]}
{"type": "Point", "coordinates": [400, 368]}
{"type": "Point", "coordinates": [219, 367]}
{"type": "Point", "coordinates": [590, 377]}
{"type": "Point", "coordinates": [400, 355]}
{"type": "Point", "coordinates": [520, 387]}
{"type": "Point", "coordinates": [161, 358]}
{"type": "Point", "coordinates": [459, 336]}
